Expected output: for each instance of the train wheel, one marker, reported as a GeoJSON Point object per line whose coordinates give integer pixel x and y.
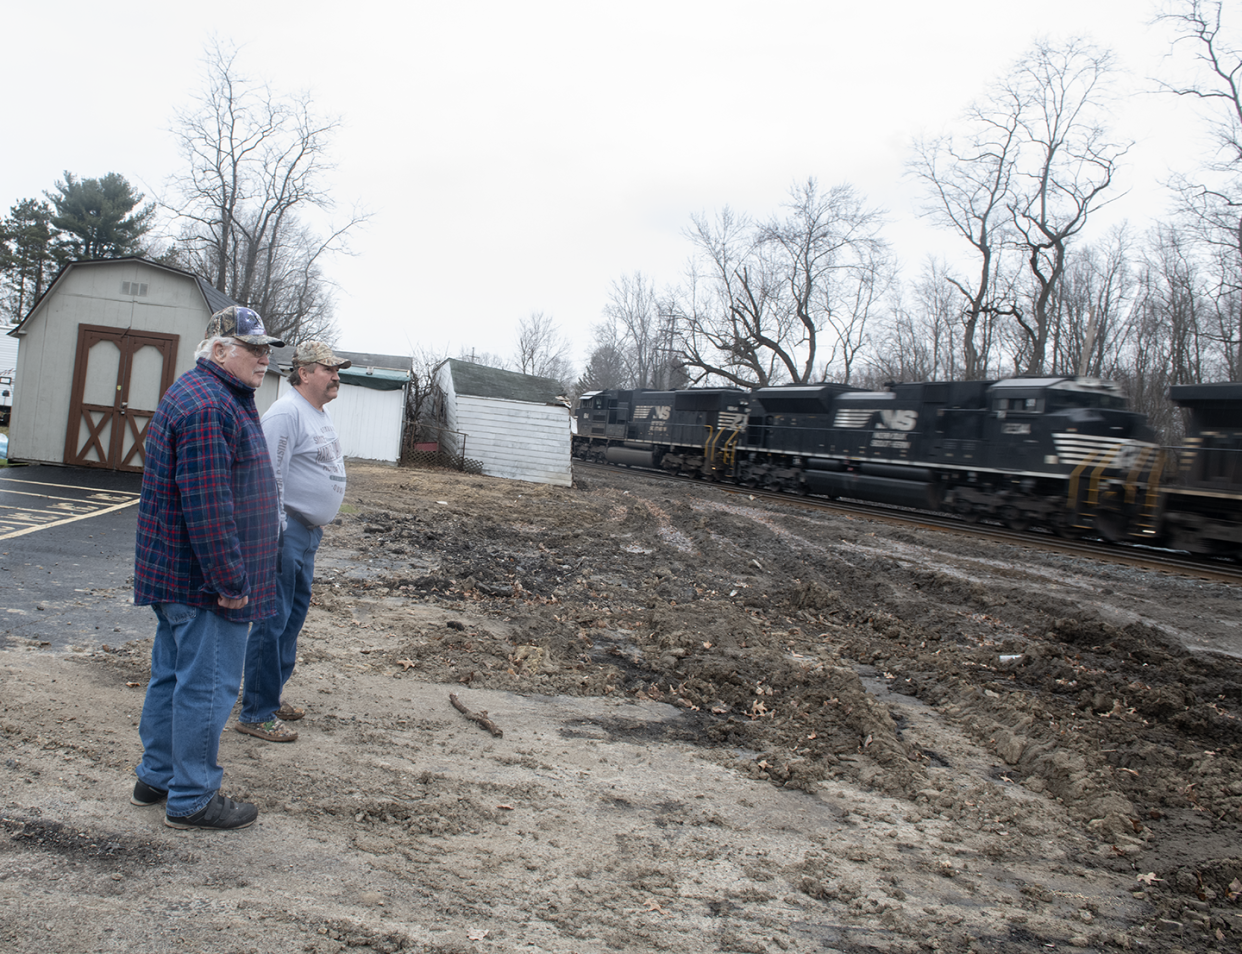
{"type": "Point", "coordinates": [1111, 525]}
{"type": "Point", "coordinates": [1064, 527]}
{"type": "Point", "coordinates": [1015, 519]}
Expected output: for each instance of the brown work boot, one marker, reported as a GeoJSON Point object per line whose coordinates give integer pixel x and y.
{"type": "Point", "coordinates": [289, 713]}
{"type": "Point", "coordinates": [273, 730]}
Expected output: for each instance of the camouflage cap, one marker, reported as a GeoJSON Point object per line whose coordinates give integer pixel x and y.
{"type": "Point", "coordinates": [244, 324]}
{"type": "Point", "coordinates": [317, 352]}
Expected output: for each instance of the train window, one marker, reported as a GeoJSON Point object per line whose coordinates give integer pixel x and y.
{"type": "Point", "coordinates": [1028, 405]}
{"type": "Point", "coordinates": [1063, 399]}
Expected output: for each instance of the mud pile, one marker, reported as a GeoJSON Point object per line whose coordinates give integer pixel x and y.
{"type": "Point", "coordinates": [779, 630]}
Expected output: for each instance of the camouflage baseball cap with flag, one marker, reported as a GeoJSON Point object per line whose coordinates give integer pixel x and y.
{"type": "Point", "coordinates": [244, 324]}
{"type": "Point", "coordinates": [316, 352]}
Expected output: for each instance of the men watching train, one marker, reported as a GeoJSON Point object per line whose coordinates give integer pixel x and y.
{"type": "Point", "coordinates": [310, 479]}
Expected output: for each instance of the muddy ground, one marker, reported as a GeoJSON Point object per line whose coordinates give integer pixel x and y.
{"type": "Point", "coordinates": [722, 725]}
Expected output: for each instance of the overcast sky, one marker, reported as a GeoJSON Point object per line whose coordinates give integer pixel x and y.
{"type": "Point", "coordinates": [520, 156]}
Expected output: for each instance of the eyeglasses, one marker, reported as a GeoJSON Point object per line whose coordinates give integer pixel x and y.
{"type": "Point", "coordinates": [257, 350]}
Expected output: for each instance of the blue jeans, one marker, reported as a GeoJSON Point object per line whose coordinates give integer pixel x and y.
{"type": "Point", "coordinates": [273, 646]}
{"type": "Point", "coordinates": [196, 669]}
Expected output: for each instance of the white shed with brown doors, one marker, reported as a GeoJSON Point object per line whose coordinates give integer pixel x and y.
{"type": "Point", "coordinates": [98, 350]}
{"type": "Point", "coordinates": [515, 425]}
{"type": "Point", "coordinates": [369, 410]}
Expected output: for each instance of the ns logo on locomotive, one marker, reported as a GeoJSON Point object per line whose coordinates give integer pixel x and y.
{"type": "Point", "coordinates": [1063, 453]}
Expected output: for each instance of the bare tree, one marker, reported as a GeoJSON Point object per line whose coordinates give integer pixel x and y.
{"type": "Point", "coordinates": [1163, 340]}
{"type": "Point", "coordinates": [729, 321]}
{"type": "Point", "coordinates": [969, 178]}
{"type": "Point", "coordinates": [424, 396]}
{"type": "Point", "coordinates": [921, 341]}
{"type": "Point", "coordinates": [760, 298]}
{"type": "Point", "coordinates": [1211, 199]}
{"type": "Point", "coordinates": [637, 331]}
{"type": "Point", "coordinates": [1095, 289]}
{"type": "Point", "coordinates": [542, 350]}
{"type": "Point", "coordinates": [1067, 163]}
{"type": "Point", "coordinates": [254, 168]}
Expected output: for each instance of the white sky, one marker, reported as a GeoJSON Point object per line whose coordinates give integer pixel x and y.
{"type": "Point", "coordinates": [520, 156]}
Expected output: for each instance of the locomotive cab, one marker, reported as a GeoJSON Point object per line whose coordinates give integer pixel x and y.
{"type": "Point", "coordinates": [1053, 425]}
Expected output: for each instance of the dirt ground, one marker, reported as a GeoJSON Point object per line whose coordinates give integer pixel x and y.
{"type": "Point", "coordinates": [722, 725]}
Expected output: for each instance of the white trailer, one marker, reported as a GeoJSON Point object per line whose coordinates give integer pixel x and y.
{"type": "Point", "coordinates": [8, 375]}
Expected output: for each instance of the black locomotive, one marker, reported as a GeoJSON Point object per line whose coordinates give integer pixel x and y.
{"type": "Point", "coordinates": [1201, 505]}
{"type": "Point", "coordinates": [1058, 452]}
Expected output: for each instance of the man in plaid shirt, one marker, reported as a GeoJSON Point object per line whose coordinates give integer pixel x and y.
{"type": "Point", "coordinates": [206, 562]}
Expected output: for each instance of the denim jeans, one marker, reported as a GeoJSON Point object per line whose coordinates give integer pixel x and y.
{"type": "Point", "coordinates": [272, 649]}
{"type": "Point", "coordinates": [196, 669]}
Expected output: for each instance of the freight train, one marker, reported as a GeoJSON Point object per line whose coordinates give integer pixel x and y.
{"type": "Point", "coordinates": [1061, 453]}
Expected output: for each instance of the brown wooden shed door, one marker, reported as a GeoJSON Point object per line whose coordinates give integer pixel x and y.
{"type": "Point", "coordinates": [119, 377]}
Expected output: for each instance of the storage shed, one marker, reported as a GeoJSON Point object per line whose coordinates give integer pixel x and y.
{"type": "Point", "coordinates": [369, 410]}
{"type": "Point", "coordinates": [98, 350]}
{"type": "Point", "coordinates": [515, 425]}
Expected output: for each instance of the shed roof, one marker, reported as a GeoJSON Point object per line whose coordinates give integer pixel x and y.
{"type": "Point", "coordinates": [481, 381]}
{"type": "Point", "coordinates": [215, 300]}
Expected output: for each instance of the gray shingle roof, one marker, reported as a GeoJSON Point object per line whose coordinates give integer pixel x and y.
{"type": "Point", "coordinates": [216, 300]}
{"type": "Point", "coordinates": [480, 381]}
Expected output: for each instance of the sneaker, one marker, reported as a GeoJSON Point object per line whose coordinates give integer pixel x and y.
{"type": "Point", "coordinates": [289, 713]}
{"type": "Point", "coordinates": [219, 814]}
{"type": "Point", "coordinates": [273, 730]}
{"type": "Point", "coordinates": [147, 795]}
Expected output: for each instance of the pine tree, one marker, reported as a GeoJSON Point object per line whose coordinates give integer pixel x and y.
{"type": "Point", "coordinates": [30, 254]}
{"type": "Point", "coordinates": [99, 216]}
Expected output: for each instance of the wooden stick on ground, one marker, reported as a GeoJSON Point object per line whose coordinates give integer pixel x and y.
{"type": "Point", "coordinates": [479, 717]}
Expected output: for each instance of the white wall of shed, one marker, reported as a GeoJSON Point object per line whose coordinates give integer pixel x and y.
{"type": "Point", "coordinates": [368, 422]}
{"type": "Point", "coordinates": [516, 440]}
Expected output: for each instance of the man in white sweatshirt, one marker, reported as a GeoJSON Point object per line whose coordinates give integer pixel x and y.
{"type": "Point", "coordinates": [310, 476]}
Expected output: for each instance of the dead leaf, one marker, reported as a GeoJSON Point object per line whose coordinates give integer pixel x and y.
{"type": "Point", "coordinates": [1148, 878]}
{"type": "Point", "coordinates": [133, 685]}
{"type": "Point", "coordinates": [477, 935]}
{"type": "Point", "coordinates": [505, 808]}
{"type": "Point", "coordinates": [406, 664]}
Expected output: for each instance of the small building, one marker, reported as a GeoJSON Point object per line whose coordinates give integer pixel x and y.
{"type": "Point", "coordinates": [98, 350]}
{"type": "Point", "coordinates": [515, 425]}
{"type": "Point", "coordinates": [369, 409]}
{"type": "Point", "coordinates": [8, 375]}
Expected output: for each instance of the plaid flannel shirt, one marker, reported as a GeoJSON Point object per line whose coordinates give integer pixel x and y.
{"type": "Point", "coordinates": [207, 517]}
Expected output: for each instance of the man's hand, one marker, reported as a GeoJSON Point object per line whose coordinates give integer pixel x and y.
{"type": "Point", "coordinates": [232, 604]}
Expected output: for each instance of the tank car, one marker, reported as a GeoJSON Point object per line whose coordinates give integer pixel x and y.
{"type": "Point", "coordinates": [1201, 505]}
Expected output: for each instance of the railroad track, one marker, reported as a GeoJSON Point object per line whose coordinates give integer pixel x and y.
{"type": "Point", "coordinates": [1164, 561]}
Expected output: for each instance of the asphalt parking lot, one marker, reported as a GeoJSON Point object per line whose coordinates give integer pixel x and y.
{"type": "Point", "coordinates": [66, 559]}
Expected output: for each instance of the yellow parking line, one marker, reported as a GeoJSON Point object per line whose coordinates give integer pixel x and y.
{"type": "Point", "coordinates": [61, 523]}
